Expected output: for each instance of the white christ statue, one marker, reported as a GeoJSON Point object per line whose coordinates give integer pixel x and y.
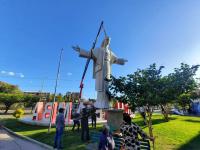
{"type": "Point", "coordinates": [102, 58]}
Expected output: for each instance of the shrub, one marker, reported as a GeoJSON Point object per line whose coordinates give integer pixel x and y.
{"type": "Point", "coordinates": [18, 113]}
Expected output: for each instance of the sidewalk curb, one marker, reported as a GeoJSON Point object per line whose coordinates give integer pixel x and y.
{"type": "Point", "coordinates": [28, 139]}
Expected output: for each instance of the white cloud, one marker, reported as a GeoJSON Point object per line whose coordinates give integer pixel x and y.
{"type": "Point", "coordinates": [3, 72]}
{"type": "Point", "coordinates": [11, 73]}
{"type": "Point", "coordinates": [21, 75]}
{"type": "Point", "coordinates": [69, 73]}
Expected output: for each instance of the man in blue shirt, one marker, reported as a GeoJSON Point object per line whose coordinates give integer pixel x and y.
{"type": "Point", "coordinates": [60, 125]}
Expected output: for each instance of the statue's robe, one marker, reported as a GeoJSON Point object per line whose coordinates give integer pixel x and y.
{"type": "Point", "coordinates": [102, 58]}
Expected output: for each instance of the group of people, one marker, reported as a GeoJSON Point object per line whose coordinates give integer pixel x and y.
{"type": "Point", "coordinates": [129, 131]}
{"type": "Point", "coordinates": [84, 113]}
{"type": "Point", "coordinates": [79, 119]}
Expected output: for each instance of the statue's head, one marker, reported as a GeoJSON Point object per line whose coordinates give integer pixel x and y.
{"type": "Point", "coordinates": [106, 42]}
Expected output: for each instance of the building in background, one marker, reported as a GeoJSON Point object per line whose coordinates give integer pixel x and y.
{"type": "Point", "coordinates": [44, 96]}
{"type": "Point", "coordinates": [72, 96]}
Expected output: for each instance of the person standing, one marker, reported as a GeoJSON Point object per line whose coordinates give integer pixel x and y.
{"type": "Point", "coordinates": [94, 116]}
{"type": "Point", "coordinates": [60, 125]}
{"type": "Point", "coordinates": [143, 114]}
{"type": "Point", "coordinates": [84, 124]}
{"type": "Point", "coordinates": [76, 122]}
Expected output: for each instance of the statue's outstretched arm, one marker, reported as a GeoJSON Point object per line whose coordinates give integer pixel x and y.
{"type": "Point", "coordinates": [82, 52]}
{"type": "Point", "coordinates": [121, 61]}
{"type": "Point", "coordinates": [115, 60]}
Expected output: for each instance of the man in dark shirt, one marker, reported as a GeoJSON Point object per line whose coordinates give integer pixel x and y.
{"type": "Point", "coordinates": [84, 124]}
{"type": "Point", "coordinates": [60, 125]}
{"type": "Point", "coordinates": [93, 116]}
{"type": "Point", "coordinates": [76, 121]}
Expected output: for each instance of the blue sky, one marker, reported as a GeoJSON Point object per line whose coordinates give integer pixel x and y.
{"type": "Point", "coordinates": [33, 32]}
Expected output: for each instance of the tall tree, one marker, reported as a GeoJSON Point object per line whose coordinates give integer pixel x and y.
{"type": "Point", "coordinates": [140, 89]}
{"type": "Point", "coordinates": [184, 83]}
{"type": "Point", "coordinates": [183, 78]}
{"type": "Point", "coordinates": [167, 95]}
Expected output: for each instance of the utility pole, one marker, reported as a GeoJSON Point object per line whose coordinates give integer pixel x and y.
{"type": "Point", "coordinates": [41, 95]}
{"type": "Point", "coordinates": [55, 89]}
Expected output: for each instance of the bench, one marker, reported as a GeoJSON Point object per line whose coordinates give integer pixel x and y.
{"type": "Point", "coordinates": [144, 144]}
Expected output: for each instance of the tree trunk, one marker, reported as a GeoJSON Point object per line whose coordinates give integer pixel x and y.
{"type": "Point", "coordinates": [6, 110]}
{"type": "Point", "coordinates": [149, 123]}
{"type": "Point", "coordinates": [165, 112]}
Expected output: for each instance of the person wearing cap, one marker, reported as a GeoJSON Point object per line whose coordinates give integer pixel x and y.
{"type": "Point", "coordinates": [60, 125]}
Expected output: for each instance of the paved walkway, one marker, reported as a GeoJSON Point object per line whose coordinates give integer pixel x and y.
{"type": "Point", "coordinates": [10, 142]}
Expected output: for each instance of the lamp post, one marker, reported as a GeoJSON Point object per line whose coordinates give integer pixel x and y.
{"type": "Point", "coordinates": [55, 89]}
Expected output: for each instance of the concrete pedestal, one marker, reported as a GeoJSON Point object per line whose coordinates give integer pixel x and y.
{"type": "Point", "coordinates": [114, 119]}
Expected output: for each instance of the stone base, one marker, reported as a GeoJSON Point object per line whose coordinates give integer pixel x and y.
{"type": "Point", "coordinates": [114, 119]}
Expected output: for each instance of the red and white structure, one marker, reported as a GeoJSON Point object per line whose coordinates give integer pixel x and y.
{"type": "Point", "coordinates": [42, 113]}
{"type": "Point", "coordinates": [125, 107]}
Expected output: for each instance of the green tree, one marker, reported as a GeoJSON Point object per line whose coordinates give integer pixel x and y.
{"type": "Point", "coordinates": [184, 83]}
{"type": "Point", "coordinates": [140, 89]}
{"type": "Point", "coordinates": [10, 99]}
{"type": "Point", "coordinates": [67, 98]}
{"type": "Point", "coordinates": [8, 88]}
{"type": "Point", "coordinates": [184, 100]}
{"type": "Point", "coordinates": [167, 95]}
{"type": "Point", "coordinates": [183, 78]}
{"type": "Point", "coordinates": [59, 98]}
{"type": "Point", "coordinates": [31, 100]}
{"type": "Point", "coordinates": [9, 94]}
{"type": "Point", "coordinates": [177, 87]}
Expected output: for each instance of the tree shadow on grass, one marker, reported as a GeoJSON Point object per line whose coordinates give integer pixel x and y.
{"type": "Point", "coordinates": [192, 121]}
{"type": "Point", "coordinates": [17, 126]}
{"type": "Point", "coordinates": [193, 144]}
{"type": "Point", "coordinates": [7, 114]}
{"type": "Point", "coordinates": [71, 140]}
{"type": "Point", "coordinates": [154, 121]}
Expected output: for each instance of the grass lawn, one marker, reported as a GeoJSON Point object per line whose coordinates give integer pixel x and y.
{"type": "Point", "coordinates": [71, 140]}
{"type": "Point", "coordinates": [180, 133]}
